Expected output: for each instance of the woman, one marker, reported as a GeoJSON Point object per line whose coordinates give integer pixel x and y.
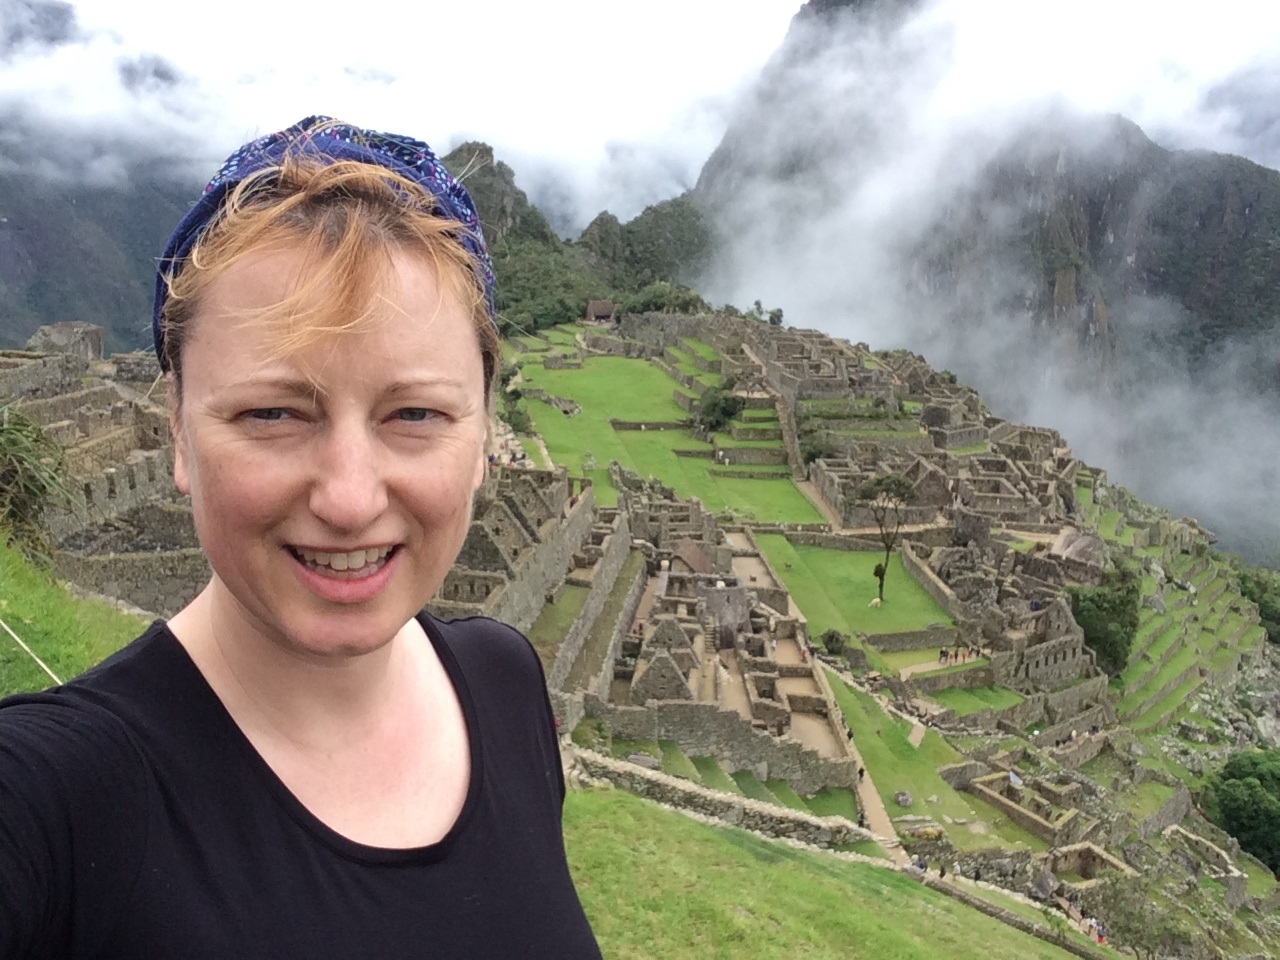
{"type": "Point", "coordinates": [300, 763]}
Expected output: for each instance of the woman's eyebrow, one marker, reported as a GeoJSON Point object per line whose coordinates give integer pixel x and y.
{"type": "Point", "coordinates": [293, 386]}
{"type": "Point", "coordinates": [411, 383]}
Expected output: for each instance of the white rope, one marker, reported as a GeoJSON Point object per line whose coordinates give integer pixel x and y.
{"type": "Point", "coordinates": [30, 653]}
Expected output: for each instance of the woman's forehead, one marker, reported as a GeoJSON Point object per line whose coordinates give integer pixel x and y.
{"type": "Point", "coordinates": [268, 313]}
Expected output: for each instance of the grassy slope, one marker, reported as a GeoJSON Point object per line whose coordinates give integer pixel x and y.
{"type": "Point", "coordinates": [834, 587]}
{"type": "Point", "coordinates": [896, 765]}
{"type": "Point", "coordinates": [656, 884]}
{"type": "Point", "coordinates": [636, 390]}
{"type": "Point", "coordinates": [68, 636]}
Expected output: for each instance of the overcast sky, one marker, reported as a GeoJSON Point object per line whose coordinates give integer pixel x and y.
{"type": "Point", "coordinates": [621, 102]}
{"type": "Point", "coordinates": [598, 103]}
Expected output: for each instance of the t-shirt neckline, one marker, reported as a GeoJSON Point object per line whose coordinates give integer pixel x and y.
{"type": "Point", "coordinates": [298, 811]}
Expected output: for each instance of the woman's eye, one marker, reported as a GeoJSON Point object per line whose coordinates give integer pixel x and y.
{"type": "Point", "coordinates": [415, 414]}
{"type": "Point", "coordinates": [268, 414]}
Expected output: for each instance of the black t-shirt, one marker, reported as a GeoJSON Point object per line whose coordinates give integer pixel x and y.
{"type": "Point", "coordinates": [137, 821]}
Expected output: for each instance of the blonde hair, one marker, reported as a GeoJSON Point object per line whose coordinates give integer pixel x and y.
{"type": "Point", "coordinates": [348, 219]}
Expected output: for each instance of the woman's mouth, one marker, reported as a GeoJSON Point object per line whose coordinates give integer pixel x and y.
{"type": "Point", "coordinates": [351, 565]}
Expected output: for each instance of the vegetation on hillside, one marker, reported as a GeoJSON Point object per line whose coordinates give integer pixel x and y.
{"type": "Point", "coordinates": [1108, 615]}
{"type": "Point", "coordinates": [1246, 796]}
{"type": "Point", "coordinates": [656, 884]}
{"type": "Point", "coordinates": [31, 481]}
{"type": "Point", "coordinates": [70, 636]}
{"type": "Point", "coordinates": [543, 280]}
{"type": "Point", "coordinates": [1263, 588]}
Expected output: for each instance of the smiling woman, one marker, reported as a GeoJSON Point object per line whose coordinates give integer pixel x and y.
{"type": "Point", "coordinates": [301, 763]}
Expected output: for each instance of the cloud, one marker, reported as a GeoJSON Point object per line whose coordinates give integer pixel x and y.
{"type": "Point", "coordinates": [606, 105]}
{"type": "Point", "coordinates": [867, 135]}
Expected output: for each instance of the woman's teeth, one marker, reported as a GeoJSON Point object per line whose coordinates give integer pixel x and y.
{"type": "Point", "coordinates": [345, 566]}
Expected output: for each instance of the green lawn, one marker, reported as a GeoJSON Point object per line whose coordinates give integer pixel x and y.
{"type": "Point", "coordinates": [965, 702]}
{"type": "Point", "coordinates": [751, 786]}
{"type": "Point", "coordinates": [615, 387]}
{"type": "Point", "coordinates": [659, 885]}
{"type": "Point", "coordinates": [554, 621]}
{"type": "Point", "coordinates": [704, 350]}
{"type": "Point", "coordinates": [834, 587]}
{"type": "Point", "coordinates": [68, 636]}
{"type": "Point", "coordinates": [713, 775]}
{"type": "Point", "coordinates": [786, 796]}
{"type": "Point", "coordinates": [675, 763]}
{"type": "Point", "coordinates": [833, 802]}
{"type": "Point", "coordinates": [895, 765]}
{"type": "Point", "coordinates": [897, 659]}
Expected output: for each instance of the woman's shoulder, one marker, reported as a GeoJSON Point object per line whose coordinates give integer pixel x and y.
{"type": "Point", "coordinates": [94, 719]}
{"type": "Point", "coordinates": [487, 641]}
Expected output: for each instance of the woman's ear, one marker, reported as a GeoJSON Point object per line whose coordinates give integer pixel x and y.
{"type": "Point", "coordinates": [181, 477]}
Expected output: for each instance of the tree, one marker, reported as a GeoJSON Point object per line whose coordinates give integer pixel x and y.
{"type": "Point", "coordinates": [1133, 919]}
{"type": "Point", "coordinates": [31, 481]}
{"type": "Point", "coordinates": [886, 495]}
{"type": "Point", "coordinates": [717, 406]}
{"type": "Point", "coordinates": [1108, 614]}
{"type": "Point", "coordinates": [1247, 797]}
{"type": "Point", "coordinates": [834, 641]}
{"type": "Point", "coordinates": [775, 317]}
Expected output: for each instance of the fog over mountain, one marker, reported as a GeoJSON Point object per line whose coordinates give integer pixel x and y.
{"type": "Point", "coordinates": [900, 178]}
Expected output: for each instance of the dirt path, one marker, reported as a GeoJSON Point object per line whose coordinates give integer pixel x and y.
{"type": "Point", "coordinates": [810, 491]}
{"type": "Point", "coordinates": [876, 815]}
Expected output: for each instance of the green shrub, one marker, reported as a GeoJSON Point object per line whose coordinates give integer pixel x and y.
{"type": "Point", "coordinates": [1108, 614]}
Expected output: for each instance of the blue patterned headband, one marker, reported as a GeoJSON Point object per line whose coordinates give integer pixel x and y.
{"type": "Point", "coordinates": [333, 141]}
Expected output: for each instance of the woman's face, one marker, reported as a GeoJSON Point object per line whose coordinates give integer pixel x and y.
{"type": "Point", "coordinates": [331, 489]}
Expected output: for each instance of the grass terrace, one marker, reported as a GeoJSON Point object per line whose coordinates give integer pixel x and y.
{"type": "Point", "coordinates": [554, 621]}
{"type": "Point", "coordinates": [895, 765]}
{"type": "Point", "coordinates": [67, 635]}
{"type": "Point", "coordinates": [700, 348]}
{"type": "Point", "coordinates": [977, 699]}
{"type": "Point", "coordinates": [834, 587]}
{"type": "Point", "coordinates": [597, 388]}
{"type": "Point", "coordinates": [658, 885]}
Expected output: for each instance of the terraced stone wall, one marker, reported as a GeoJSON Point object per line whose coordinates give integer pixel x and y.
{"type": "Point", "coordinates": [704, 729]}
{"type": "Point", "coordinates": [765, 818]}
{"type": "Point", "coordinates": [162, 582]}
{"type": "Point", "coordinates": [616, 548]}
{"type": "Point", "coordinates": [23, 373]}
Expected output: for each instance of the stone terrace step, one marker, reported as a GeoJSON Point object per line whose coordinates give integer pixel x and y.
{"type": "Point", "coordinates": [1173, 671]}
{"type": "Point", "coordinates": [1157, 714]}
{"type": "Point", "coordinates": [1160, 653]}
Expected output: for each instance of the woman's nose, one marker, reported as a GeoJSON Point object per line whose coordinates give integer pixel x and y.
{"type": "Point", "coordinates": [349, 490]}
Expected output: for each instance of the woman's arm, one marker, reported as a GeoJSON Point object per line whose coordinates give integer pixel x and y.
{"type": "Point", "coordinates": [72, 826]}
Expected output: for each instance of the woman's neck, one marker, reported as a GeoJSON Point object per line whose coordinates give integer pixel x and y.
{"type": "Point", "coordinates": [315, 703]}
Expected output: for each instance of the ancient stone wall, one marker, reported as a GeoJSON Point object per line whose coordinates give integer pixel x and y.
{"type": "Point", "coordinates": [704, 729]}
{"type": "Point", "coordinates": [600, 683]}
{"type": "Point", "coordinates": [937, 635]}
{"type": "Point", "coordinates": [834, 541]}
{"type": "Point", "coordinates": [170, 524]}
{"type": "Point", "coordinates": [957, 679]}
{"type": "Point", "coordinates": [28, 374]}
{"type": "Point", "coordinates": [1174, 810]}
{"type": "Point", "coordinates": [765, 818]}
{"type": "Point", "coordinates": [749, 455]}
{"type": "Point", "coordinates": [114, 491]}
{"type": "Point", "coordinates": [616, 548]}
{"type": "Point", "coordinates": [161, 583]}
{"type": "Point", "coordinates": [65, 405]}
{"type": "Point", "coordinates": [544, 566]}
{"type": "Point", "coordinates": [931, 583]}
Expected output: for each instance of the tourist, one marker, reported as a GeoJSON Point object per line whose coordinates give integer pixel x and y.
{"type": "Point", "coordinates": [300, 762]}
{"type": "Point", "coordinates": [862, 772]}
